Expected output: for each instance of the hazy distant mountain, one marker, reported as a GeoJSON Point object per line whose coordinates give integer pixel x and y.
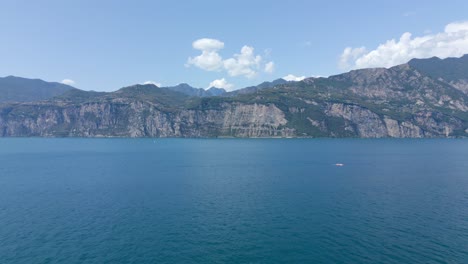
{"type": "Point", "coordinates": [17, 89]}
{"type": "Point", "coordinates": [214, 91]}
{"type": "Point", "coordinates": [407, 100]}
{"type": "Point", "coordinates": [451, 70]}
{"type": "Point", "coordinates": [252, 89]}
{"type": "Point", "coordinates": [199, 92]}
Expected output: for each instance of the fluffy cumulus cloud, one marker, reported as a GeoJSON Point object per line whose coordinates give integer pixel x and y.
{"type": "Point", "coordinates": [349, 55]}
{"type": "Point", "coordinates": [292, 77]}
{"type": "Point", "coordinates": [221, 83]}
{"type": "Point", "coordinates": [68, 82]}
{"type": "Point", "coordinates": [153, 83]}
{"type": "Point", "coordinates": [452, 42]}
{"type": "Point", "coordinates": [245, 63]}
{"type": "Point", "coordinates": [209, 59]}
{"type": "Point", "coordinates": [208, 44]}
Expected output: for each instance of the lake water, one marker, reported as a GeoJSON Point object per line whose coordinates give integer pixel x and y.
{"type": "Point", "coordinates": [233, 201]}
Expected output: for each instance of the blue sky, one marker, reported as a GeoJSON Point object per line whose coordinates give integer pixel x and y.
{"type": "Point", "coordinates": [105, 45]}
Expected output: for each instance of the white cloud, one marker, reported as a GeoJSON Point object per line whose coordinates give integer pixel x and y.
{"type": "Point", "coordinates": [457, 27]}
{"type": "Point", "coordinates": [350, 54]}
{"type": "Point", "coordinates": [270, 67]}
{"type": "Point", "coordinates": [154, 83]}
{"type": "Point", "coordinates": [221, 83]}
{"type": "Point", "coordinates": [209, 59]}
{"type": "Point", "coordinates": [246, 63]}
{"type": "Point", "coordinates": [453, 42]}
{"type": "Point", "coordinates": [292, 77]}
{"type": "Point", "coordinates": [208, 44]}
{"type": "Point", "coordinates": [68, 82]}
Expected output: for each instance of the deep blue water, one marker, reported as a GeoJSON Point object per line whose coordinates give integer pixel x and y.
{"type": "Point", "coordinates": [233, 201]}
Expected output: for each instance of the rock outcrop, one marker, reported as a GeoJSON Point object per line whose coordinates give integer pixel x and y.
{"type": "Point", "coordinates": [404, 101]}
{"type": "Point", "coordinates": [142, 119]}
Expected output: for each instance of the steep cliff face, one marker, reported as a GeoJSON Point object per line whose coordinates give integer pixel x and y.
{"type": "Point", "coordinates": [367, 124]}
{"type": "Point", "coordinates": [402, 84]}
{"type": "Point", "coordinates": [401, 102]}
{"type": "Point", "coordinates": [143, 119]}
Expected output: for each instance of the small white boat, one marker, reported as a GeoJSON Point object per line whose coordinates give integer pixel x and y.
{"type": "Point", "coordinates": [339, 164]}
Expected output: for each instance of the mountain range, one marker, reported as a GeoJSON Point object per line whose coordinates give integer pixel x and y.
{"type": "Point", "coordinates": [200, 92]}
{"type": "Point", "coordinates": [422, 98]}
{"type": "Point", "coordinates": [17, 89]}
